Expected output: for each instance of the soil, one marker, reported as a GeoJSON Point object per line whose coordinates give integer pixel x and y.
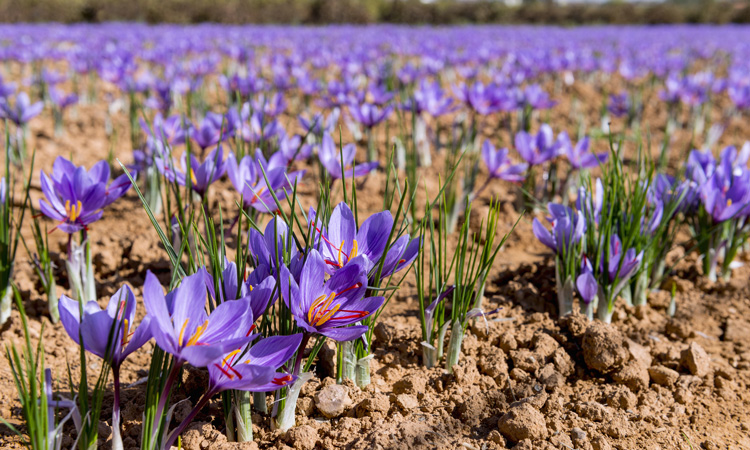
{"type": "Point", "coordinates": [526, 380]}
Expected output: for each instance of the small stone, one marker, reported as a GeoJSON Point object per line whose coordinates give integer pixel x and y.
{"type": "Point", "coordinates": [663, 376]}
{"type": "Point", "coordinates": [683, 396]}
{"type": "Point", "coordinates": [303, 437]}
{"type": "Point", "coordinates": [523, 421]}
{"type": "Point", "coordinates": [604, 347]}
{"type": "Point", "coordinates": [633, 375]}
{"type": "Point", "coordinates": [622, 398]}
{"type": "Point", "coordinates": [696, 360]}
{"type": "Point", "coordinates": [561, 440]}
{"type": "Point", "coordinates": [333, 400]}
{"type": "Point", "coordinates": [579, 436]}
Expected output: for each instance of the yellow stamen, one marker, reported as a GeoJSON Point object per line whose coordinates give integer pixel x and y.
{"type": "Point", "coordinates": [182, 332]}
{"type": "Point", "coordinates": [729, 202]}
{"type": "Point", "coordinates": [354, 250]}
{"type": "Point", "coordinates": [192, 177]}
{"type": "Point", "coordinates": [327, 316]}
{"type": "Point", "coordinates": [198, 333]}
{"type": "Point", "coordinates": [314, 305]}
{"type": "Point", "coordinates": [341, 246]}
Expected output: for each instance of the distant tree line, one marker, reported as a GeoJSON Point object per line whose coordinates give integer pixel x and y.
{"type": "Point", "coordinates": [372, 11]}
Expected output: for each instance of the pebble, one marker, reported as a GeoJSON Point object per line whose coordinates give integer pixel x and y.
{"type": "Point", "coordinates": [663, 376]}
{"type": "Point", "coordinates": [333, 400]}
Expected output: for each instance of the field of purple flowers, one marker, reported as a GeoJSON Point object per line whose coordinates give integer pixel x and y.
{"type": "Point", "coordinates": [374, 237]}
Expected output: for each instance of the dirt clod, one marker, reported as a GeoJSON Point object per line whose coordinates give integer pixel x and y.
{"type": "Point", "coordinates": [604, 347]}
{"type": "Point", "coordinates": [696, 360]}
{"type": "Point", "coordinates": [333, 400]}
{"type": "Point", "coordinates": [523, 421]}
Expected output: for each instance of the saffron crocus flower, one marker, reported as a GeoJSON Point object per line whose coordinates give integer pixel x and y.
{"type": "Point", "coordinates": [182, 328]}
{"type": "Point", "coordinates": [537, 149]}
{"type": "Point", "coordinates": [61, 99]}
{"type": "Point", "coordinates": [537, 98]}
{"type": "Point", "coordinates": [340, 241]}
{"type": "Point", "coordinates": [568, 227]}
{"type": "Point", "coordinates": [402, 252]}
{"type": "Point", "coordinates": [170, 131]}
{"type": "Point", "coordinates": [586, 283]}
{"type": "Point", "coordinates": [202, 175]}
{"type": "Point", "coordinates": [75, 197]}
{"type": "Point", "coordinates": [369, 114]}
{"type": "Point", "coordinates": [109, 334]}
{"type": "Point", "coordinates": [212, 129]}
{"type": "Point", "coordinates": [22, 111]}
{"type": "Point", "coordinates": [97, 326]}
{"type": "Point", "coordinates": [267, 250]}
{"type": "Point", "coordinates": [429, 98]}
{"type": "Point", "coordinates": [331, 159]}
{"type": "Point", "coordinates": [620, 266]}
{"type": "Point", "coordinates": [329, 307]}
{"type": "Point", "coordinates": [255, 370]}
{"type": "Point", "coordinates": [725, 196]}
{"type": "Point", "coordinates": [619, 104]}
{"type": "Point", "coordinates": [499, 164]}
{"type": "Point", "coordinates": [247, 178]}
{"type": "Point", "coordinates": [579, 155]}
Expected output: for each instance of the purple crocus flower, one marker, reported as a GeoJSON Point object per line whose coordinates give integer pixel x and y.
{"type": "Point", "coordinates": [499, 164]}
{"type": "Point", "coordinates": [255, 369]}
{"type": "Point", "coordinates": [76, 198]}
{"type": "Point", "coordinates": [214, 128]}
{"type": "Point", "coordinates": [340, 241]}
{"type": "Point", "coordinates": [23, 110]}
{"type": "Point", "coordinates": [725, 196]}
{"type": "Point", "coordinates": [568, 227]}
{"type": "Point", "coordinates": [429, 98]}
{"type": "Point", "coordinates": [97, 326]}
{"type": "Point", "coordinates": [61, 99]}
{"type": "Point", "coordinates": [620, 266]}
{"type": "Point", "coordinates": [537, 98]}
{"type": "Point", "coordinates": [267, 249]}
{"type": "Point", "coordinates": [170, 130]}
{"type": "Point", "coordinates": [331, 159]}
{"type": "Point", "coordinates": [579, 155]}
{"type": "Point", "coordinates": [369, 114]}
{"type": "Point", "coordinates": [329, 307]}
{"type": "Point", "coordinates": [202, 175]}
{"type": "Point", "coordinates": [619, 104]}
{"type": "Point", "coordinates": [586, 282]}
{"type": "Point", "coordinates": [248, 179]}
{"type": "Point", "coordinates": [182, 328]}
{"type": "Point", "coordinates": [537, 149]}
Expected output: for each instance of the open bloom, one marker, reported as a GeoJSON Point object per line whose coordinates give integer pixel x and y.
{"type": "Point", "coordinates": [247, 178]}
{"type": "Point", "coordinates": [369, 114]}
{"type": "Point", "coordinates": [579, 155]}
{"type": "Point", "coordinates": [202, 175]}
{"type": "Point", "coordinates": [328, 307]}
{"type": "Point", "coordinates": [110, 334]}
{"type": "Point", "coordinates": [75, 197]}
{"type": "Point", "coordinates": [254, 370]}
{"type": "Point", "coordinates": [499, 164]}
{"type": "Point", "coordinates": [429, 98]}
{"type": "Point", "coordinates": [620, 266]}
{"type": "Point", "coordinates": [213, 129]}
{"type": "Point", "coordinates": [331, 158]}
{"type": "Point", "coordinates": [267, 250]}
{"type": "Point", "coordinates": [725, 195]}
{"type": "Point", "coordinates": [340, 241]}
{"type": "Point", "coordinates": [22, 111]}
{"type": "Point", "coordinates": [170, 130]}
{"type": "Point", "coordinates": [568, 227]}
{"type": "Point", "coordinates": [537, 149]}
{"type": "Point", "coordinates": [182, 328]}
